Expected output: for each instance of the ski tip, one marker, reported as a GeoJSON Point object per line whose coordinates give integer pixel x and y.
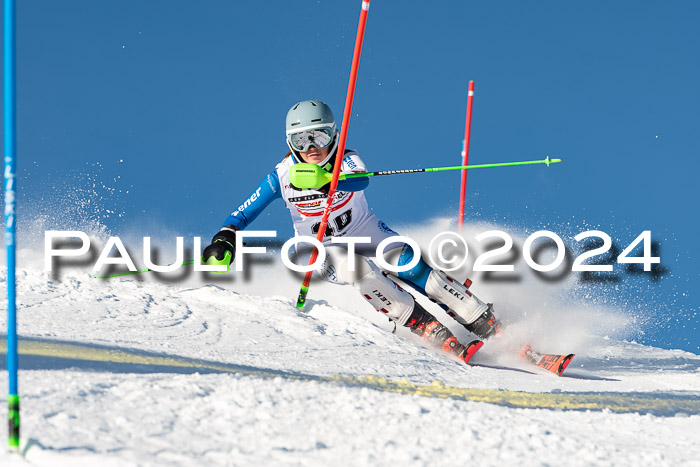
{"type": "Point", "coordinates": [471, 349]}
{"type": "Point", "coordinates": [564, 363]}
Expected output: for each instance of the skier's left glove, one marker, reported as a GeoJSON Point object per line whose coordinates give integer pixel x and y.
{"type": "Point", "coordinates": [222, 249]}
{"type": "Point", "coordinates": [324, 189]}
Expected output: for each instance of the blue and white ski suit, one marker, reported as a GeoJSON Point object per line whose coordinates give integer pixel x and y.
{"type": "Point", "coordinates": [349, 210]}
{"type": "Point", "coordinates": [350, 216]}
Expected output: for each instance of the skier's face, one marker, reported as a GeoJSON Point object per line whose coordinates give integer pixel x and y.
{"type": "Point", "coordinates": [315, 155]}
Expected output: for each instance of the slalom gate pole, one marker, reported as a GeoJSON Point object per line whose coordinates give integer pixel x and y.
{"type": "Point", "coordinates": [465, 155]}
{"type": "Point", "coordinates": [301, 300]}
{"type": "Point", "coordinates": [10, 114]}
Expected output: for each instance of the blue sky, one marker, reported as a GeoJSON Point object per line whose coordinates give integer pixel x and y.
{"type": "Point", "coordinates": [182, 104]}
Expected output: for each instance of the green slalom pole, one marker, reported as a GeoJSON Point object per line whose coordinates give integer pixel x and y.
{"type": "Point", "coordinates": [129, 273]}
{"type": "Point", "coordinates": [312, 176]}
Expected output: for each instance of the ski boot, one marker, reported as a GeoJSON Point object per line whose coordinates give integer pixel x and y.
{"type": "Point", "coordinates": [438, 336]}
{"type": "Point", "coordinates": [486, 325]}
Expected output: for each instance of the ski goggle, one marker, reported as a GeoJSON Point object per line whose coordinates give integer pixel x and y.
{"type": "Point", "coordinates": [319, 137]}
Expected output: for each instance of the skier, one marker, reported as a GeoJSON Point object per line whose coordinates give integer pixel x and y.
{"type": "Point", "coordinates": [312, 137]}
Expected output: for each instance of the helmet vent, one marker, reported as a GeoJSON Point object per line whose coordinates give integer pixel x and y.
{"type": "Point", "coordinates": [309, 114]}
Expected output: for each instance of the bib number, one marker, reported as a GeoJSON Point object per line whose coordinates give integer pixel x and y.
{"type": "Point", "coordinates": [335, 226]}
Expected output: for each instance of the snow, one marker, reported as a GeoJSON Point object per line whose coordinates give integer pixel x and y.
{"type": "Point", "coordinates": [240, 420]}
{"type": "Point", "coordinates": [184, 369]}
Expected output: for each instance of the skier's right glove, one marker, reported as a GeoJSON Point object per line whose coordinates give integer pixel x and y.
{"type": "Point", "coordinates": [222, 249]}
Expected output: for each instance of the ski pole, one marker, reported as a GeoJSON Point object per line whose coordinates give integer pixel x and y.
{"type": "Point", "coordinates": [301, 300]}
{"type": "Point", "coordinates": [128, 273]}
{"type": "Point", "coordinates": [312, 176]}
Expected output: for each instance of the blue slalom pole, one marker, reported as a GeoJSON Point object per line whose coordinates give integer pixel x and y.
{"type": "Point", "coordinates": [9, 94]}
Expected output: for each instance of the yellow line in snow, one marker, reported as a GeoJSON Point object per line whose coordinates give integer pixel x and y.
{"type": "Point", "coordinates": [656, 403]}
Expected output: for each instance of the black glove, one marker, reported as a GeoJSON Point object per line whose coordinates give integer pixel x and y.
{"type": "Point", "coordinates": [222, 242]}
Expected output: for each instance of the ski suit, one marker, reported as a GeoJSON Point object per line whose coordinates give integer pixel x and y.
{"type": "Point", "coordinates": [351, 217]}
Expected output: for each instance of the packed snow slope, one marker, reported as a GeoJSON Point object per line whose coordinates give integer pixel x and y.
{"type": "Point", "coordinates": [186, 369]}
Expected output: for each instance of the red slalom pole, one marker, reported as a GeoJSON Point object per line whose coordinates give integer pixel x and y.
{"type": "Point", "coordinates": [341, 147]}
{"type": "Point", "coordinates": [465, 154]}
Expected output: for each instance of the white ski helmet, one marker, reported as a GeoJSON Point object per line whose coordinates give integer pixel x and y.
{"type": "Point", "coordinates": [311, 123]}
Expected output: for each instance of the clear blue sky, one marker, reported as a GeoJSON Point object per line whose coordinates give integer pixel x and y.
{"type": "Point", "coordinates": [182, 104]}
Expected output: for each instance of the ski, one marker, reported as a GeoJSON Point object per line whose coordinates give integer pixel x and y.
{"type": "Point", "coordinates": [550, 362]}
{"type": "Point", "coordinates": [470, 349]}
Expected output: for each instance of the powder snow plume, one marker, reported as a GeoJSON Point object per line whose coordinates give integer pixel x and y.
{"type": "Point", "coordinates": [187, 368]}
{"type": "Point", "coordinates": [557, 314]}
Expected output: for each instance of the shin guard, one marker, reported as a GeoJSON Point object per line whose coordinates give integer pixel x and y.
{"type": "Point", "coordinates": [386, 296]}
{"type": "Point", "coordinates": [463, 305]}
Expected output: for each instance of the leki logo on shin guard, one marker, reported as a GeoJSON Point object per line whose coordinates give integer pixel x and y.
{"type": "Point", "coordinates": [381, 297]}
{"type": "Point", "coordinates": [452, 291]}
